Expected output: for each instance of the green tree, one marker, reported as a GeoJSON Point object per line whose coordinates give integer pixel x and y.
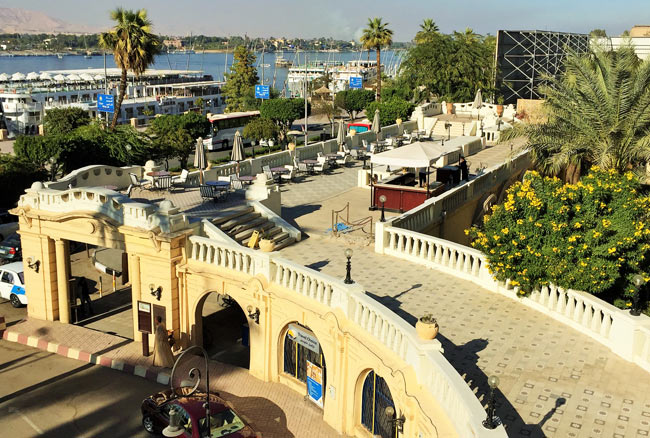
{"type": "Point", "coordinates": [390, 110]}
{"type": "Point", "coordinates": [17, 174]}
{"type": "Point", "coordinates": [283, 112]}
{"type": "Point", "coordinates": [598, 33]}
{"type": "Point", "coordinates": [598, 113]}
{"type": "Point", "coordinates": [353, 101]}
{"type": "Point", "coordinates": [261, 129]}
{"type": "Point", "coordinates": [197, 125]}
{"type": "Point", "coordinates": [376, 35]}
{"type": "Point", "coordinates": [174, 136]}
{"type": "Point", "coordinates": [428, 28]}
{"type": "Point", "coordinates": [240, 82]}
{"type": "Point", "coordinates": [40, 151]}
{"type": "Point", "coordinates": [133, 44]}
{"type": "Point", "coordinates": [64, 120]}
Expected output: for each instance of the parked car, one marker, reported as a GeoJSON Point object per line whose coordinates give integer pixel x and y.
{"type": "Point", "coordinates": [12, 284]}
{"type": "Point", "coordinates": [10, 249]}
{"type": "Point", "coordinates": [224, 422]}
{"type": "Point", "coordinates": [8, 223]}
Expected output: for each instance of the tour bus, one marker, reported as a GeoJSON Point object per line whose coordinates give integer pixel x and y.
{"type": "Point", "coordinates": [224, 127]}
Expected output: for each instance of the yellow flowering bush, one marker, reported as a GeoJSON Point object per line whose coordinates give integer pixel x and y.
{"type": "Point", "coordinates": [592, 236]}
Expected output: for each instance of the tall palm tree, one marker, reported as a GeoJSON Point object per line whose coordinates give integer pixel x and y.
{"type": "Point", "coordinates": [133, 45]}
{"type": "Point", "coordinates": [428, 28]}
{"type": "Point", "coordinates": [598, 113]}
{"type": "Point", "coordinates": [376, 35]}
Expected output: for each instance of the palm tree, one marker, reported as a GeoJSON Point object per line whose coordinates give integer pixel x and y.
{"type": "Point", "coordinates": [375, 36]}
{"type": "Point", "coordinates": [133, 46]}
{"type": "Point", "coordinates": [598, 113]}
{"type": "Point", "coordinates": [428, 29]}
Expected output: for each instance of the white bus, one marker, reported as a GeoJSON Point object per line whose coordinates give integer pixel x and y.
{"type": "Point", "coordinates": [224, 127]}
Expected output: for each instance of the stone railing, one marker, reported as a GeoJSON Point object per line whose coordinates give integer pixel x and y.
{"type": "Point", "coordinates": [433, 210]}
{"type": "Point", "coordinates": [625, 335]}
{"type": "Point", "coordinates": [434, 373]}
{"type": "Point", "coordinates": [96, 176]}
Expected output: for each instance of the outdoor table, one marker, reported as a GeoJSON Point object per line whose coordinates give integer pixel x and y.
{"type": "Point", "coordinates": [247, 178]}
{"type": "Point", "coordinates": [310, 162]}
{"type": "Point", "coordinates": [280, 171]}
{"type": "Point", "coordinates": [110, 187]}
{"type": "Point", "coordinates": [218, 184]}
{"type": "Point", "coordinates": [159, 173]}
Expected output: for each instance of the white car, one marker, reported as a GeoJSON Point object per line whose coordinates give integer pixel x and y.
{"type": "Point", "coordinates": [12, 284]}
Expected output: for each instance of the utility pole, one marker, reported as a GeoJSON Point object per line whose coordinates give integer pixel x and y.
{"type": "Point", "coordinates": [105, 84]}
{"type": "Point", "coordinates": [306, 129]}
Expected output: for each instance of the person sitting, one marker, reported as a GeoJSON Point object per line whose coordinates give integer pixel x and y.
{"type": "Point", "coordinates": [464, 170]}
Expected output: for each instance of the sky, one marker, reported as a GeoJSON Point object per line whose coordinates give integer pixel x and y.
{"type": "Point", "coordinates": [345, 19]}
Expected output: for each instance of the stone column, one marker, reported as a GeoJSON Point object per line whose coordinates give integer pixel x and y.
{"type": "Point", "coordinates": [62, 258]}
{"type": "Point", "coordinates": [134, 272]}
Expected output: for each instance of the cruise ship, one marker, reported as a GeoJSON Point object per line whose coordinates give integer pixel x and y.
{"type": "Point", "coordinates": [341, 74]}
{"type": "Point", "coordinates": [26, 98]}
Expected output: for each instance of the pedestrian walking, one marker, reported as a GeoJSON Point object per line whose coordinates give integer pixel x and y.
{"type": "Point", "coordinates": [162, 351]}
{"type": "Point", "coordinates": [86, 302]}
{"type": "Point", "coordinates": [464, 170]}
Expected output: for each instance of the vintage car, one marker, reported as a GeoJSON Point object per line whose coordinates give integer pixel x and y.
{"type": "Point", "coordinates": [224, 422]}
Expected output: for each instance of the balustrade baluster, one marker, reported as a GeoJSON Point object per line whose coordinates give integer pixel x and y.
{"type": "Point", "coordinates": [551, 298]}
{"type": "Point", "coordinates": [400, 243]}
{"type": "Point", "coordinates": [579, 309]}
{"type": "Point", "coordinates": [561, 301]}
{"type": "Point", "coordinates": [606, 325]}
{"type": "Point", "coordinates": [407, 248]}
{"type": "Point", "coordinates": [391, 240]}
{"type": "Point", "coordinates": [570, 306]}
{"type": "Point", "coordinates": [587, 315]}
{"type": "Point", "coordinates": [596, 320]}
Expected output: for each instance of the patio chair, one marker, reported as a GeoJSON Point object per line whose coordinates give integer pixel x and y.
{"type": "Point", "coordinates": [236, 183]}
{"type": "Point", "coordinates": [180, 180]}
{"type": "Point", "coordinates": [322, 165]}
{"type": "Point", "coordinates": [289, 176]}
{"type": "Point", "coordinates": [269, 173]}
{"type": "Point", "coordinates": [364, 142]}
{"type": "Point", "coordinates": [207, 192]}
{"type": "Point", "coordinates": [343, 161]}
{"type": "Point", "coordinates": [136, 182]}
{"type": "Point", "coordinates": [163, 183]}
{"type": "Point", "coordinates": [303, 168]}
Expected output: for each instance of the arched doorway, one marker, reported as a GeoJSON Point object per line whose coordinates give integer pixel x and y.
{"type": "Point", "coordinates": [222, 329]}
{"type": "Point", "coordinates": [303, 359]}
{"type": "Point", "coordinates": [375, 398]}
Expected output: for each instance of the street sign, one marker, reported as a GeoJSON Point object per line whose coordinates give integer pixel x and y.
{"type": "Point", "coordinates": [262, 92]}
{"type": "Point", "coordinates": [315, 383]}
{"type": "Point", "coordinates": [303, 338]}
{"type": "Point", "coordinates": [106, 103]}
{"type": "Point", "coordinates": [356, 82]}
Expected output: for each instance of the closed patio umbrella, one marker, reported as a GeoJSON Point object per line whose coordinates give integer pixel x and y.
{"type": "Point", "coordinates": [376, 126]}
{"type": "Point", "coordinates": [478, 102]}
{"type": "Point", "coordinates": [199, 158]}
{"type": "Point", "coordinates": [340, 138]}
{"type": "Point", "coordinates": [237, 150]}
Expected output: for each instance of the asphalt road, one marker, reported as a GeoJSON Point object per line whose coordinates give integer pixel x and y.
{"type": "Point", "coordinates": [46, 395]}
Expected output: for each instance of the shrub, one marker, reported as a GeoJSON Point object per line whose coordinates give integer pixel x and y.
{"type": "Point", "coordinates": [390, 110]}
{"type": "Point", "coordinates": [592, 236]}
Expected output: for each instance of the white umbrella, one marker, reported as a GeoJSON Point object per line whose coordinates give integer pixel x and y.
{"type": "Point", "coordinates": [340, 138]}
{"type": "Point", "coordinates": [18, 77]}
{"type": "Point", "coordinates": [99, 77]}
{"type": "Point", "coordinates": [32, 76]}
{"type": "Point", "coordinates": [59, 78]}
{"type": "Point", "coordinates": [376, 126]}
{"type": "Point", "coordinates": [45, 76]}
{"type": "Point", "coordinates": [416, 154]}
{"type": "Point", "coordinates": [4, 77]}
{"type": "Point", "coordinates": [478, 102]}
{"type": "Point", "coordinates": [199, 158]}
{"type": "Point", "coordinates": [237, 150]}
{"type": "Point", "coordinates": [86, 77]}
{"type": "Point", "coordinates": [73, 77]}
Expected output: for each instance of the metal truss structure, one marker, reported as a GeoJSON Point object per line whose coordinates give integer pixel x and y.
{"type": "Point", "coordinates": [524, 57]}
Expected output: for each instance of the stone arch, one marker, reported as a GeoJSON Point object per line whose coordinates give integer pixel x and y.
{"type": "Point", "coordinates": [373, 415]}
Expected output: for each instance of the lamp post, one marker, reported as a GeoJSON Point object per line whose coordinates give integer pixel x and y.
{"type": "Point", "coordinates": [348, 268]}
{"type": "Point", "coordinates": [194, 374]}
{"type": "Point", "coordinates": [638, 281]}
{"type": "Point", "coordinates": [448, 128]}
{"type": "Point", "coordinates": [382, 199]}
{"type": "Point", "coordinates": [492, 420]}
{"type": "Point", "coordinates": [397, 424]}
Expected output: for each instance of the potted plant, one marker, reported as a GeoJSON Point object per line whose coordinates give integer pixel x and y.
{"type": "Point", "coordinates": [500, 106]}
{"type": "Point", "coordinates": [450, 108]}
{"type": "Point", "coordinates": [266, 244]}
{"type": "Point", "coordinates": [427, 327]}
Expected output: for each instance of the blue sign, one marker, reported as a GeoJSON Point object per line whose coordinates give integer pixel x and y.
{"type": "Point", "coordinates": [262, 92]}
{"type": "Point", "coordinates": [106, 103]}
{"type": "Point", "coordinates": [356, 82]}
{"type": "Point", "coordinates": [315, 383]}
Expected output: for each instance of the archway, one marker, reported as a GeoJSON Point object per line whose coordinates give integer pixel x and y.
{"type": "Point", "coordinates": [222, 329]}
{"type": "Point", "coordinates": [375, 398]}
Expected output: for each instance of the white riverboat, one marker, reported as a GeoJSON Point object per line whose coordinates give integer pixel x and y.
{"type": "Point", "coordinates": [340, 75]}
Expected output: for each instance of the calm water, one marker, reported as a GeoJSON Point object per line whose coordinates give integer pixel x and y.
{"type": "Point", "coordinates": [210, 63]}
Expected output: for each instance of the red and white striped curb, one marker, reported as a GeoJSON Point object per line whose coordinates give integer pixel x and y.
{"type": "Point", "coordinates": [148, 373]}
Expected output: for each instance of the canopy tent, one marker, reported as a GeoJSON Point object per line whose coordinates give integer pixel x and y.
{"type": "Point", "coordinates": [416, 154]}
{"type": "Point", "coordinates": [323, 90]}
{"type": "Point", "coordinates": [45, 76]}
{"type": "Point", "coordinates": [18, 76]}
{"type": "Point", "coordinates": [86, 77]}
{"type": "Point", "coordinates": [32, 76]}
{"type": "Point", "coordinates": [59, 78]}
{"type": "Point", "coordinates": [98, 77]}
{"type": "Point", "coordinates": [74, 77]}
{"type": "Point", "coordinates": [4, 77]}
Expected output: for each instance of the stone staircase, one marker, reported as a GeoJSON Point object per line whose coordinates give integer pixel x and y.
{"type": "Point", "coordinates": [456, 129]}
{"type": "Point", "coordinates": [242, 223]}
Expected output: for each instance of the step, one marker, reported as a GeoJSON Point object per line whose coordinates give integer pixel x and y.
{"type": "Point", "coordinates": [220, 220]}
{"type": "Point", "coordinates": [246, 226]}
{"type": "Point", "coordinates": [227, 226]}
{"type": "Point", "coordinates": [245, 235]}
{"type": "Point", "coordinates": [278, 237]}
{"type": "Point", "coordinates": [270, 232]}
{"type": "Point", "coordinates": [284, 243]}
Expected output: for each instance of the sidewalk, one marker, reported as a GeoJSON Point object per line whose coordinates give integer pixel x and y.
{"type": "Point", "coordinates": [270, 408]}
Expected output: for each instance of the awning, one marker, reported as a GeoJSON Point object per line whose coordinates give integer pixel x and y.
{"type": "Point", "coordinates": [418, 154]}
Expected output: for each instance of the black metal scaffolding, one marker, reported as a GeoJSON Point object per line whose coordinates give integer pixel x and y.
{"type": "Point", "coordinates": [523, 57]}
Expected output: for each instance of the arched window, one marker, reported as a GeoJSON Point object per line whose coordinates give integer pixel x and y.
{"type": "Point", "coordinates": [375, 398]}
{"type": "Point", "coordinates": [296, 354]}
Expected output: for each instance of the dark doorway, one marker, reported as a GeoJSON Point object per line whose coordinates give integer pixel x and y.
{"type": "Point", "coordinates": [224, 330]}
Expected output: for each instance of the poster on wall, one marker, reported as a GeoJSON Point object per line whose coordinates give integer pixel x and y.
{"type": "Point", "coordinates": [315, 383]}
{"type": "Point", "coordinates": [303, 337]}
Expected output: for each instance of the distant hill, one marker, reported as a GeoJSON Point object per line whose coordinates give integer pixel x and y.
{"type": "Point", "coordinates": [17, 20]}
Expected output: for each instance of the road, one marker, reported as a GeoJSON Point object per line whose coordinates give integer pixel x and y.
{"type": "Point", "coordinates": [46, 395]}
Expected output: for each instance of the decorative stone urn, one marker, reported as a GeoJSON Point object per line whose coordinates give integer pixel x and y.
{"type": "Point", "coordinates": [267, 245]}
{"type": "Point", "coordinates": [427, 327]}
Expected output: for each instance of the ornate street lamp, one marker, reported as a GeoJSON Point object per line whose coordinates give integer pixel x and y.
{"type": "Point", "coordinates": [448, 128]}
{"type": "Point", "coordinates": [348, 278]}
{"type": "Point", "coordinates": [382, 199]}
{"type": "Point", "coordinates": [638, 281]}
{"type": "Point", "coordinates": [492, 421]}
{"type": "Point", "coordinates": [397, 424]}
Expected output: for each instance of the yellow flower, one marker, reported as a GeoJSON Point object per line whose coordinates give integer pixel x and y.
{"type": "Point", "coordinates": [520, 221]}
{"type": "Point", "coordinates": [577, 225]}
{"type": "Point", "coordinates": [555, 249]}
{"type": "Point", "coordinates": [505, 230]}
{"type": "Point", "coordinates": [597, 234]}
{"type": "Point", "coordinates": [611, 250]}
{"type": "Point", "coordinates": [606, 223]}
{"type": "Point", "coordinates": [467, 232]}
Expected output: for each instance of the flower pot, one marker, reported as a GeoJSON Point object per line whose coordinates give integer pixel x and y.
{"type": "Point", "coordinates": [426, 331]}
{"type": "Point", "coordinates": [499, 110]}
{"type": "Point", "coordinates": [267, 245]}
{"type": "Point", "coordinates": [450, 108]}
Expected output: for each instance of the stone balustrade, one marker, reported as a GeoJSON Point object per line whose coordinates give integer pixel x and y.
{"type": "Point", "coordinates": [96, 176]}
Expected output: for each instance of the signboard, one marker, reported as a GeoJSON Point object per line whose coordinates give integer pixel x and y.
{"type": "Point", "coordinates": [255, 237]}
{"type": "Point", "coordinates": [356, 82]}
{"type": "Point", "coordinates": [262, 92]}
{"type": "Point", "coordinates": [144, 317]}
{"type": "Point", "coordinates": [106, 103]}
{"type": "Point", "coordinates": [315, 383]}
{"type": "Point", "coordinates": [303, 337]}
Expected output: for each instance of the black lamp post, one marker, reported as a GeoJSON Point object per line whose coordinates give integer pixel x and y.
{"type": "Point", "coordinates": [638, 281]}
{"type": "Point", "coordinates": [382, 199]}
{"type": "Point", "coordinates": [174, 429]}
{"type": "Point", "coordinates": [492, 421]}
{"type": "Point", "coordinates": [397, 424]}
{"type": "Point", "coordinates": [348, 278]}
{"type": "Point", "coordinates": [448, 128]}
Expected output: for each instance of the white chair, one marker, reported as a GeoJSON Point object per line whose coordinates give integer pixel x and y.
{"type": "Point", "coordinates": [303, 168]}
{"type": "Point", "coordinates": [268, 173]}
{"type": "Point", "coordinates": [344, 160]}
{"type": "Point", "coordinates": [136, 182]}
{"type": "Point", "coordinates": [289, 176]}
{"type": "Point", "coordinates": [180, 180]}
{"type": "Point", "coordinates": [322, 165]}
{"type": "Point", "coordinates": [364, 142]}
